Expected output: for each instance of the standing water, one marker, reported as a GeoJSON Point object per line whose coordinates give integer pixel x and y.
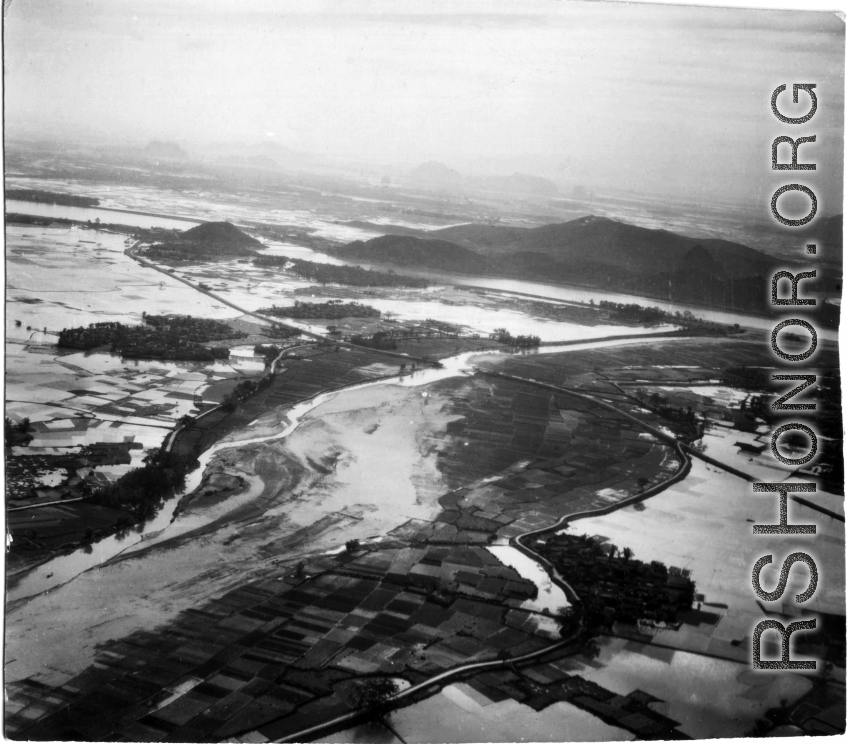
{"type": "Point", "coordinates": [64, 568]}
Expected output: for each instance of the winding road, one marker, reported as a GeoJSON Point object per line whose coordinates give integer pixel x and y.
{"type": "Point", "coordinates": [518, 542]}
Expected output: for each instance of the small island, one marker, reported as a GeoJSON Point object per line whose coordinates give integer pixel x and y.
{"type": "Point", "coordinates": [179, 337]}
{"type": "Point", "coordinates": [353, 276]}
{"type": "Point", "coordinates": [333, 309]}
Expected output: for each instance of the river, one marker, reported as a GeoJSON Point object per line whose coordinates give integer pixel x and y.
{"type": "Point", "coordinates": [537, 289]}
{"type": "Point", "coordinates": [62, 569]}
{"type": "Point", "coordinates": [90, 214]}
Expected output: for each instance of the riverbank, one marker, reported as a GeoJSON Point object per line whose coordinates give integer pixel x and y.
{"type": "Point", "coordinates": [290, 586]}
{"type": "Point", "coordinates": [570, 292]}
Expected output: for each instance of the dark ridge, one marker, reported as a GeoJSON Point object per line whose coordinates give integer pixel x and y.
{"type": "Point", "coordinates": [218, 233]}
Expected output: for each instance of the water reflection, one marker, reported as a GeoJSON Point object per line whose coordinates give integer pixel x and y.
{"type": "Point", "coordinates": [62, 569]}
{"type": "Point", "coordinates": [91, 214]}
{"type": "Point", "coordinates": [550, 596]}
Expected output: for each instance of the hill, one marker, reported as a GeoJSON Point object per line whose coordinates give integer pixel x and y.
{"type": "Point", "coordinates": [164, 151]}
{"type": "Point", "coordinates": [405, 251]}
{"type": "Point", "coordinates": [207, 242]}
{"type": "Point", "coordinates": [605, 241]}
{"type": "Point", "coordinates": [434, 173]}
{"type": "Point", "coordinates": [594, 252]}
{"type": "Point", "coordinates": [220, 233]}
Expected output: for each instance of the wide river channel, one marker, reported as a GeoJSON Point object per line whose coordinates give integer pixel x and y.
{"type": "Point", "coordinates": [62, 569]}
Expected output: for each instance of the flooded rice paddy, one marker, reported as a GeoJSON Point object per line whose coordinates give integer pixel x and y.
{"type": "Point", "coordinates": [711, 698]}
{"type": "Point", "coordinates": [353, 430]}
{"type": "Point", "coordinates": [722, 506]}
{"type": "Point", "coordinates": [254, 288]}
{"type": "Point", "coordinates": [461, 714]}
{"type": "Point", "coordinates": [68, 277]}
{"type": "Point", "coordinates": [91, 214]}
{"type": "Point", "coordinates": [550, 597]}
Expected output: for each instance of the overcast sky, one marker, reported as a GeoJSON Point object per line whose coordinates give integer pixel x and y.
{"type": "Point", "coordinates": [662, 98]}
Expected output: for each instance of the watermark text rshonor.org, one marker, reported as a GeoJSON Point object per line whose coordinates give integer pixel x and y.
{"type": "Point", "coordinates": [781, 281]}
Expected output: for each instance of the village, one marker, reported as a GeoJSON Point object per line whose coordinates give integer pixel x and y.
{"type": "Point", "coordinates": [613, 586]}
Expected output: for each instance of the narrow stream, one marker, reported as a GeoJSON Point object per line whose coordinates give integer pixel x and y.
{"type": "Point", "coordinates": [550, 596]}
{"type": "Point", "coordinates": [62, 569]}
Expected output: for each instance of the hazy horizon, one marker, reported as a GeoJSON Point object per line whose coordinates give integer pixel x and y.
{"type": "Point", "coordinates": [658, 99]}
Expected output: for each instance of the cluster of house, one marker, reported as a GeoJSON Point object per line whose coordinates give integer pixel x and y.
{"type": "Point", "coordinates": [615, 588]}
{"type": "Point", "coordinates": [84, 478]}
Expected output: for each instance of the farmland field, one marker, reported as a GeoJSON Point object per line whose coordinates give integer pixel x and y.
{"type": "Point", "coordinates": [357, 514]}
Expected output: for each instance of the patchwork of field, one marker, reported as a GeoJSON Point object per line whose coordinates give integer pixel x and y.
{"type": "Point", "coordinates": [262, 651]}
{"type": "Point", "coordinates": [280, 655]}
{"type": "Point", "coordinates": [78, 400]}
{"type": "Point", "coordinates": [67, 277]}
{"type": "Point", "coordinates": [302, 373]}
{"type": "Point", "coordinates": [694, 361]}
{"type": "Point", "coordinates": [473, 311]}
{"type": "Point", "coordinates": [490, 459]}
{"type": "Point", "coordinates": [281, 208]}
{"type": "Point", "coordinates": [75, 400]}
{"type": "Point", "coordinates": [559, 454]}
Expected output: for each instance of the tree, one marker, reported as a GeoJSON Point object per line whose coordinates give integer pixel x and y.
{"type": "Point", "coordinates": [591, 650]}
{"type": "Point", "coordinates": [627, 554]}
{"type": "Point", "coordinates": [373, 698]}
{"type": "Point", "coordinates": [642, 484]}
{"type": "Point", "coordinates": [352, 545]}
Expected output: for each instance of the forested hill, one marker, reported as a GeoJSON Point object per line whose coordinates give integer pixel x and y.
{"type": "Point", "coordinates": [605, 241]}
{"type": "Point", "coordinates": [220, 233]}
{"type": "Point", "coordinates": [209, 241]}
{"type": "Point", "coordinates": [409, 252]}
{"type": "Point", "coordinates": [594, 252]}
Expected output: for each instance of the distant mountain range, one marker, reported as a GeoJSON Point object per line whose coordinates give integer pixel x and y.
{"type": "Point", "coordinates": [436, 173]}
{"type": "Point", "coordinates": [164, 151]}
{"type": "Point", "coordinates": [600, 253]}
{"type": "Point", "coordinates": [259, 155]}
{"type": "Point", "coordinates": [433, 174]}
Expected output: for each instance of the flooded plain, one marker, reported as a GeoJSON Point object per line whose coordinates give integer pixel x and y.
{"type": "Point", "coordinates": [461, 714]}
{"type": "Point", "coordinates": [711, 698]}
{"type": "Point", "coordinates": [713, 502]}
{"type": "Point", "coordinates": [316, 475]}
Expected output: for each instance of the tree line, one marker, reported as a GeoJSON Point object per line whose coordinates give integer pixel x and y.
{"type": "Point", "coordinates": [333, 309]}
{"type": "Point", "coordinates": [354, 276]}
{"type": "Point", "coordinates": [502, 336]}
{"type": "Point", "coordinates": [159, 337]}
{"type": "Point", "coordinates": [142, 491]}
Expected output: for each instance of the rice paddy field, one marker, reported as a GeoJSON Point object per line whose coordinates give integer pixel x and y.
{"type": "Point", "coordinates": [280, 655]}
{"type": "Point", "coordinates": [473, 312]}
{"type": "Point", "coordinates": [66, 277]}
{"type": "Point", "coordinates": [241, 615]}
